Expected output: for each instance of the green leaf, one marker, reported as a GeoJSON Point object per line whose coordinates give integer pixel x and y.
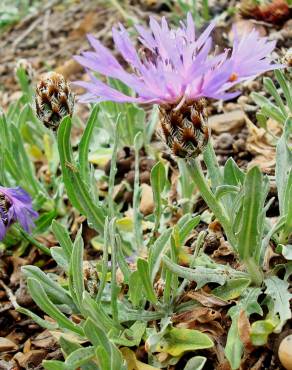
{"type": "Point", "coordinates": [44, 222]}
{"type": "Point", "coordinates": [278, 290]}
{"type": "Point", "coordinates": [234, 346]}
{"type": "Point", "coordinates": [60, 257]}
{"type": "Point", "coordinates": [24, 164]}
{"type": "Point", "coordinates": [156, 251]}
{"type": "Point", "coordinates": [41, 299]}
{"type": "Point", "coordinates": [4, 132]}
{"type": "Point", "coordinates": [76, 188]}
{"type": "Point", "coordinates": [268, 108]}
{"type": "Point", "coordinates": [248, 303]}
{"type": "Point", "coordinates": [225, 189]}
{"type": "Point", "coordinates": [79, 357]}
{"type": "Point", "coordinates": [261, 329]}
{"type": "Point", "coordinates": [151, 124]}
{"type": "Point", "coordinates": [91, 309]}
{"type": "Point", "coordinates": [177, 341]}
{"type": "Point", "coordinates": [285, 86]}
{"type": "Point", "coordinates": [135, 291]}
{"type": "Point", "coordinates": [187, 227]}
{"type": "Point", "coordinates": [54, 365]}
{"type": "Point", "coordinates": [38, 320]}
{"type": "Point", "coordinates": [68, 346]}
{"type": "Point", "coordinates": [84, 145]}
{"type": "Point", "coordinates": [144, 273]}
{"type": "Point", "coordinates": [76, 282]}
{"type": "Point", "coordinates": [201, 275]}
{"type": "Point", "coordinates": [274, 112]}
{"type": "Point", "coordinates": [253, 201]}
{"type": "Point", "coordinates": [53, 289]}
{"type": "Point", "coordinates": [231, 289]}
{"type": "Point", "coordinates": [62, 235]}
{"type": "Point", "coordinates": [214, 170]}
{"type": "Point", "coordinates": [271, 88]}
{"type": "Point", "coordinates": [195, 363]}
{"type": "Point", "coordinates": [283, 164]}
{"type": "Point", "coordinates": [158, 181]}
{"type": "Point", "coordinates": [100, 339]}
{"type": "Point", "coordinates": [132, 336]}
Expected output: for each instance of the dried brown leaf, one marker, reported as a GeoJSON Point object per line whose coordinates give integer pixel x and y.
{"type": "Point", "coordinates": [244, 331]}
{"type": "Point", "coordinates": [206, 299]}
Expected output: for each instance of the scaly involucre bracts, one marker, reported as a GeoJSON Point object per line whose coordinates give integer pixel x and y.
{"type": "Point", "coordinates": [174, 66]}
{"type": "Point", "coordinates": [15, 206]}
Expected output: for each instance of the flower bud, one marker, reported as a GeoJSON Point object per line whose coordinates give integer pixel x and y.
{"type": "Point", "coordinates": [185, 130]}
{"type": "Point", "coordinates": [27, 68]}
{"type": "Point", "coordinates": [54, 100]}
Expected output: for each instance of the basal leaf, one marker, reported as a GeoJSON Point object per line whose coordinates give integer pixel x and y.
{"type": "Point", "coordinates": [278, 290]}
{"type": "Point", "coordinates": [196, 363]}
{"type": "Point", "coordinates": [144, 273]}
{"type": "Point", "coordinates": [231, 289]}
{"type": "Point", "coordinates": [248, 238]}
{"type": "Point", "coordinates": [177, 341]}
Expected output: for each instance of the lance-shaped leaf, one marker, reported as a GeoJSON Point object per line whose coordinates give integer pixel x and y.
{"type": "Point", "coordinates": [283, 165]}
{"type": "Point", "coordinates": [251, 223]}
{"type": "Point", "coordinates": [77, 190]}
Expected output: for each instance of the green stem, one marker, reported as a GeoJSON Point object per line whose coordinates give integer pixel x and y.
{"type": "Point", "coordinates": [33, 241]}
{"type": "Point", "coordinates": [114, 286]}
{"type": "Point", "coordinates": [212, 164]}
{"type": "Point", "coordinates": [112, 175]}
{"type": "Point", "coordinates": [104, 262]}
{"type": "Point", "coordinates": [136, 203]}
{"type": "Point", "coordinates": [206, 193]}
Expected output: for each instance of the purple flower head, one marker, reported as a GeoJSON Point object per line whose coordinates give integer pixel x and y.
{"type": "Point", "coordinates": [15, 206]}
{"type": "Point", "coordinates": [176, 66]}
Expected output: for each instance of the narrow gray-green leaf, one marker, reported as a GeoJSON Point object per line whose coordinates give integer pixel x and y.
{"type": "Point", "coordinates": [248, 238]}
{"type": "Point", "coordinates": [41, 299]}
{"type": "Point", "coordinates": [84, 145]}
{"type": "Point", "coordinates": [143, 269]}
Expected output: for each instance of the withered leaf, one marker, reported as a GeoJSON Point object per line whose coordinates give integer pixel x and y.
{"type": "Point", "coordinates": [206, 299]}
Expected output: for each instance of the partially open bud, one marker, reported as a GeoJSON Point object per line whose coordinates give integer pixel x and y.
{"type": "Point", "coordinates": [54, 100]}
{"type": "Point", "coordinates": [185, 128]}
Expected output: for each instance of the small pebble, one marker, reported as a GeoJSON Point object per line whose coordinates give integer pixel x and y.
{"type": "Point", "coordinates": [225, 140]}
{"type": "Point", "coordinates": [285, 352]}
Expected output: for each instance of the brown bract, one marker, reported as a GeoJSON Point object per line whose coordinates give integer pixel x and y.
{"type": "Point", "coordinates": [184, 129]}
